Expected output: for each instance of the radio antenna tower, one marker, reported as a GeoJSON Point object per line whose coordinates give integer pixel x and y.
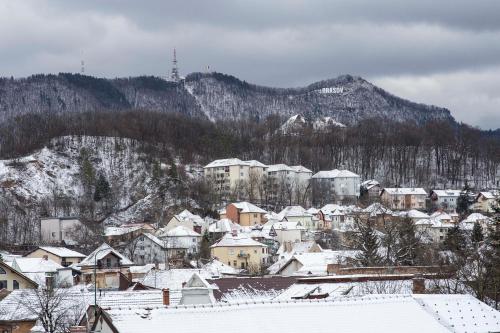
{"type": "Point", "coordinates": [174, 76]}
{"type": "Point", "coordinates": [82, 65]}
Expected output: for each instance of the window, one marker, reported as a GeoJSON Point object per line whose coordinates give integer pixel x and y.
{"type": "Point", "coordinates": [194, 240]}
{"type": "Point", "coordinates": [235, 263]}
{"type": "Point", "coordinates": [231, 251]}
{"type": "Point", "coordinates": [15, 284]}
{"type": "Point", "coordinates": [255, 251]}
{"type": "Point", "coordinates": [255, 215]}
{"type": "Point", "coordinates": [3, 284]}
{"type": "Point", "coordinates": [229, 262]}
{"type": "Point", "coordinates": [53, 234]}
{"type": "Point", "coordinates": [242, 265]}
{"type": "Point", "coordinates": [263, 250]}
{"type": "Point", "coordinates": [108, 262]}
{"type": "Point", "coordinates": [2, 271]}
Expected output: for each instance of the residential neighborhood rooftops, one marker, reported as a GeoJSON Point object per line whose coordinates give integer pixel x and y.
{"type": "Point", "coordinates": [373, 313]}
{"type": "Point", "coordinates": [294, 211]}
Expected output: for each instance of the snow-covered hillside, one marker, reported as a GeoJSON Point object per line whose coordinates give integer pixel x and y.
{"type": "Point", "coordinates": [215, 96]}
{"type": "Point", "coordinates": [55, 173]}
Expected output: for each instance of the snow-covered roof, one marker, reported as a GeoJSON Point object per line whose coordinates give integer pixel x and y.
{"type": "Point", "coordinates": [315, 263]}
{"type": "Point", "coordinates": [62, 252]}
{"type": "Point", "coordinates": [300, 168]}
{"type": "Point", "coordinates": [181, 231]}
{"type": "Point", "coordinates": [285, 225]}
{"type": "Point", "coordinates": [101, 252]}
{"type": "Point", "coordinates": [118, 231]}
{"type": "Point", "coordinates": [335, 173]}
{"type": "Point", "coordinates": [154, 239]}
{"type": "Point", "coordinates": [218, 268]}
{"type": "Point", "coordinates": [405, 191]}
{"type": "Point", "coordinates": [441, 216]}
{"type": "Point", "coordinates": [172, 278]}
{"type": "Point", "coordinates": [487, 195]}
{"type": "Point", "coordinates": [415, 214]}
{"type": "Point", "coordinates": [230, 240]}
{"type": "Point", "coordinates": [247, 207]}
{"type": "Point", "coordinates": [35, 265]}
{"type": "Point", "coordinates": [234, 161]}
{"type": "Point", "coordinates": [368, 184]}
{"type": "Point", "coordinates": [278, 167]}
{"type": "Point", "coordinates": [187, 215]}
{"type": "Point", "coordinates": [75, 301]}
{"type": "Point", "coordinates": [373, 313]}
{"type": "Point", "coordinates": [447, 193]}
{"type": "Point", "coordinates": [472, 218]}
{"type": "Point", "coordinates": [223, 225]}
{"type": "Point", "coordinates": [144, 269]}
{"type": "Point", "coordinates": [294, 211]}
{"type": "Point", "coordinates": [312, 211]}
{"type": "Point", "coordinates": [376, 209]}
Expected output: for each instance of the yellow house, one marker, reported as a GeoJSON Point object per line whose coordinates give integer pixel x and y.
{"type": "Point", "coordinates": [12, 279]}
{"type": "Point", "coordinates": [241, 251]}
{"type": "Point", "coordinates": [245, 214]}
{"type": "Point", "coordinates": [61, 255]}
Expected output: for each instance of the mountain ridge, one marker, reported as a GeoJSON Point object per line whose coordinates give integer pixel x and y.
{"type": "Point", "coordinates": [216, 96]}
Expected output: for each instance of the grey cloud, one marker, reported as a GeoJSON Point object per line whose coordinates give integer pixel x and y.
{"type": "Point", "coordinates": [277, 43]}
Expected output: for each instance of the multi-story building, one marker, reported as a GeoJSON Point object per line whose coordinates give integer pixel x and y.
{"type": "Point", "coordinates": [288, 183]}
{"type": "Point", "coordinates": [445, 199]}
{"type": "Point", "coordinates": [237, 177]}
{"type": "Point", "coordinates": [334, 186]}
{"type": "Point", "coordinates": [59, 230]}
{"type": "Point", "coordinates": [403, 198]}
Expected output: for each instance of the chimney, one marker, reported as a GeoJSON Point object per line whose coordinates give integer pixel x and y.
{"type": "Point", "coordinates": [184, 284]}
{"type": "Point", "coordinates": [166, 296]}
{"type": "Point", "coordinates": [418, 284]}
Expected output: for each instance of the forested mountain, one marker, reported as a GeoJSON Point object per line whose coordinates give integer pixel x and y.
{"type": "Point", "coordinates": [214, 96]}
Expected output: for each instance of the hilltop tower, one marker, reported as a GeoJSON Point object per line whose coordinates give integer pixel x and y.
{"type": "Point", "coordinates": [174, 76]}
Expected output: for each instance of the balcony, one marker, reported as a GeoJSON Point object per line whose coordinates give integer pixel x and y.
{"type": "Point", "coordinates": [243, 255]}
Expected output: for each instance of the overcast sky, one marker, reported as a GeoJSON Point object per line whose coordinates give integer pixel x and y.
{"type": "Point", "coordinates": [444, 52]}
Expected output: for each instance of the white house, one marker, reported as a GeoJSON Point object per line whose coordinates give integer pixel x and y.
{"type": "Point", "coordinates": [445, 199]}
{"type": "Point", "coordinates": [334, 185]}
{"type": "Point", "coordinates": [182, 238]}
{"type": "Point", "coordinates": [57, 230]}
{"type": "Point", "coordinates": [147, 249]}
{"type": "Point", "coordinates": [299, 214]}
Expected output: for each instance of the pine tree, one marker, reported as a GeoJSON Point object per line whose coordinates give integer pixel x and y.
{"type": "Point", "coordinates": [477, 233]}
{"type": "Point", "coordinates": [102, 189]}
{"type": "Point", "coordinates": [368, 243]}
{"type": "Point", "coordinates": [455, 240]}
{"type": "Point", "coordinates": [408, 244]}
{"type": "Point", "coordinates": [464, 201]}
{"type": "Point", "coordinates": [205, 246]}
